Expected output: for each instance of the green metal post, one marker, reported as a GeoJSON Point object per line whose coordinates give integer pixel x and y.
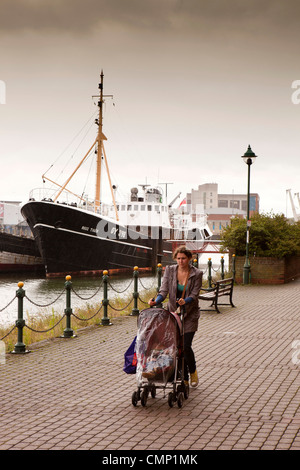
{"type": "Point", "coordinates": [209, 277]}
{"type": "Point", "coordinates": [105, 320]}
{"type": "Point", "coordinates": [135, 311]}
{"type": "Point", "coordinates": [246, 269]}
{"type": "Point", "coordinates": [233, 267]}
{"type": "Point", "coordinates": [222, 267]}
{"type": "Point", "coordinates": [249, 157]}
{"type": "Point", "coordinates": [20, 347]}
{"type": "Point", "coordinates": [68, 332]}
{"type": "Point", "coordinates": [159, 276]}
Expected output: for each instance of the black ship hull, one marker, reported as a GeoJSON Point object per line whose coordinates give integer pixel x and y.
{"type": "Point", "coordinates": [19, 254]}
{"type": "Point", "coordinates": [72, 240]}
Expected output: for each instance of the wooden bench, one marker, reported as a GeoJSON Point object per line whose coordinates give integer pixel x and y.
{"type": "Point", "coordinates": [222, 288]}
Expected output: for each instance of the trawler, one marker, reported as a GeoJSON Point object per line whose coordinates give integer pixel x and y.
{"type": "Point", "coordinates": [77, 235]}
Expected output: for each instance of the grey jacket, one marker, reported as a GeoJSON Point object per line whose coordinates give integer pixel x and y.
{"type": "Point", "coordinates": [169, 286]}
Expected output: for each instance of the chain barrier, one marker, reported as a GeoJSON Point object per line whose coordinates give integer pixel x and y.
{"type": "Point", "coordinates": [7, 334]}
{"type": "Point", "coordinates": [20, 323]}
{"type": "Point", "coordinates": [120, 291]}
{"type": "Point", "coordinates": [44, 305]}
{"type": "Point", "coordinates": [215, 270]}
{"type": "Point", "coordinates": [120, 309]}
{"type": "Point", "coordinates": [44, 331]}
{"type": "Point", "coordinates": [143, 301]}
{"type": "Point", "coordinates": [205, 270]}
{"type": "Point", "coordinates": [87, 298]}
{"type": "Point", "coordinates": [87, 319]}
{"type": "Point", "coordinates": [9, 303]}
{"type": "Point", "coordinates": [68, 313]}
{"type": "Point", "coordinates": [147, 288]}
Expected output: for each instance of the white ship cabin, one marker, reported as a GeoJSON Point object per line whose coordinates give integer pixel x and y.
{"type": "Point", "coordinates": [146, 210]}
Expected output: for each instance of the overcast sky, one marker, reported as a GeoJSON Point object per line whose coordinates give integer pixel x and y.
{"type": "Point", "coordinates": [194, 83]}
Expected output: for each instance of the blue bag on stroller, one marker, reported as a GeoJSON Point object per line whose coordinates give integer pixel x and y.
{"type": "Point", "coordinates": [130, 360]}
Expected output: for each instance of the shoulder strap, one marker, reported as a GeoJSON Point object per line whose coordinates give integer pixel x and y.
{"type": "Point", "coordinates": [184, 289]}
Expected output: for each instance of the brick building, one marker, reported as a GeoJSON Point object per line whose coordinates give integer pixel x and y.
{"type": "Point", "coordinates": [220, 208]}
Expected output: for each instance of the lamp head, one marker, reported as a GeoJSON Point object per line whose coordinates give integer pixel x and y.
{"type": "Point", "coordinates": [249, 156]}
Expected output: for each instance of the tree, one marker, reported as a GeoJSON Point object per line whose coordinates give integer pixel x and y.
{"type": "Point", "coordinates": [270, 235]}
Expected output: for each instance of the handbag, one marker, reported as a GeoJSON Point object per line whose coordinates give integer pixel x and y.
{"type": "Point", "coordinates": [130, 359]}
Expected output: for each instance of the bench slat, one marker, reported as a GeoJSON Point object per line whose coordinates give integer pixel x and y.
{"type": "Point", "coordinates": [223, 287]}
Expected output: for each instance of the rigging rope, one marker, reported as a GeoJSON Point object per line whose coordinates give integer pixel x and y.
{"type": "Point", "coordinates": [74, 138]}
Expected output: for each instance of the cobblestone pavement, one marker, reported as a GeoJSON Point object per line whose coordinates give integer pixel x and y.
{"type": "Point", "coordinates": [73, 394]}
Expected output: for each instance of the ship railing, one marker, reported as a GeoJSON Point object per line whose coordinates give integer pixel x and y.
{"type": "Point", "coordinates": [70, 199]}
{"type": "Point", "coordinates": [49, 194]}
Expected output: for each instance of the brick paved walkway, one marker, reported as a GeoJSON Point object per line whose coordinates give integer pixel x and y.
{"type": "Point", "coordinates": [72, 393]}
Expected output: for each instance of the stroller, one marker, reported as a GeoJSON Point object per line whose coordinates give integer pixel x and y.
{"type": "Point", "coordinates": [160, 358]}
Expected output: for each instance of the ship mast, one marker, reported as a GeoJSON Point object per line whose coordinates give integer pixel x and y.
{"type": "Point", "coordinates": [100, 150]}
{"type": "Point", "coordinates": [100, 139]}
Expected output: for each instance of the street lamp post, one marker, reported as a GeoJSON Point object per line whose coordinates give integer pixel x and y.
{"type": "Point", "coordinates": [249, 158]}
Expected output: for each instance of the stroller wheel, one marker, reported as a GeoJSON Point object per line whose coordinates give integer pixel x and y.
{"type": "Point", "coordinates": [171, 399]}
{"type": "Point", "coordinates": [186, 391]}
{"type": "Point", "coordinates": [153, 391]}
{"type": "Point", "coordinates": [144, 396]}
{"type": "Point", "coordinates": [135, 398]}
{"type": "Point", "coordinates": [180, 400]}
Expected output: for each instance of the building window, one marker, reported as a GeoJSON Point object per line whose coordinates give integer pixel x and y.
{"type": "Point", "coordinates": [244, 206]}
{"type": "Point", "coordinates": [222, 203]}
{"type": "Point", "coordinates": [234, 204]}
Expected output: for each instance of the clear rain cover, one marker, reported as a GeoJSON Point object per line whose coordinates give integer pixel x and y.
{"type": "Point", "coordinates": [157, 345]}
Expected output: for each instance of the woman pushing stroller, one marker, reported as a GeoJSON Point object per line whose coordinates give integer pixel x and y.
{"type": "Point", "coordinates": [183, 282]}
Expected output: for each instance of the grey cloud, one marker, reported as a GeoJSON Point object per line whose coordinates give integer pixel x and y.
{"type": "Point", "coordinates": [77, 16]}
